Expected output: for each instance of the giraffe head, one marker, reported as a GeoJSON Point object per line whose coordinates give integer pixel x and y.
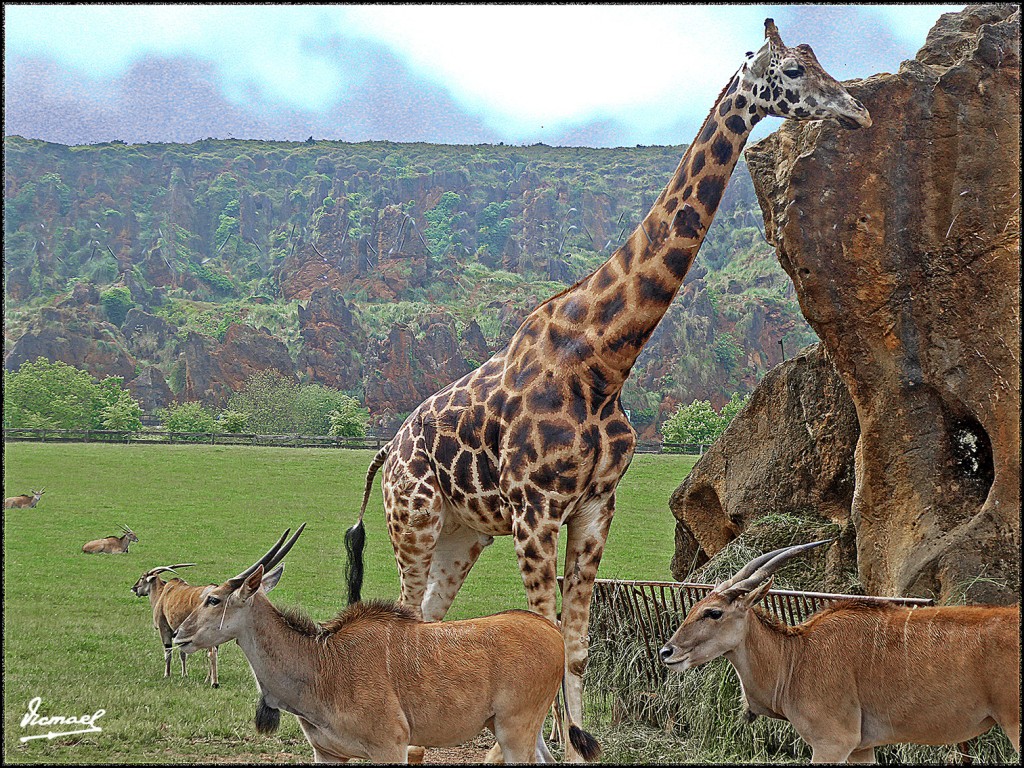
{"type": "Point", "coordinates": [790, 83]}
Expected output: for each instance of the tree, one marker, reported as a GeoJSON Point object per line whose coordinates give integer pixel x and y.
{"type": "Point", "coordinates": [349, 420]}
{"type": "Point", "coordinates": [697, 422]}
{"type": "Point", "coordinates": [190, 416]}
{"type": "Point", "coordinates": [268, 401]}
{"type": "Point", "coordinates": [232, 421]}
{"type": "Point", "coordinates": [55, 395]}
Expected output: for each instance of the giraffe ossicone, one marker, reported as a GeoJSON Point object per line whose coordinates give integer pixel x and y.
{"type": "Point", "coordinates": [535, 438]}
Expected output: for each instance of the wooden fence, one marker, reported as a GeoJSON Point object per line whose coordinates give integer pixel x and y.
{"type": "Point", "coordinates": [184, 438]}
{"type": "Point", "coordinates": [652, 610]}
{"type": "Point", "coordinates": [160, 437]}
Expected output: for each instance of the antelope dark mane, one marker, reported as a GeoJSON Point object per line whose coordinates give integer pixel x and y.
{"type": "Point", "coordinates": [370, 611]}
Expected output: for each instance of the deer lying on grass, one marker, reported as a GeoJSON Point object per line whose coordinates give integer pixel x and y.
{"type": "Point", "coordinates": [860, 674]}
{"type": "Point", "coordinates": [376, 679]}
{"type": "Point", "coordinates": [111, 545]}
{"type": "Point", "coordinates": [24, 501]}
{"type": "Point", "coordinates": [172, 601]}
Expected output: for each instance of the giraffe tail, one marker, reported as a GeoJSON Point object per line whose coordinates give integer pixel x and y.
{"type": "Point", "coordinates": [355, 537]}
{"type": "Point", "coordinates": [581, 741]}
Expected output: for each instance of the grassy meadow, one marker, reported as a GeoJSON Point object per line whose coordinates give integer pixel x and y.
{"type": "Point", "coordinates": [76, 636]}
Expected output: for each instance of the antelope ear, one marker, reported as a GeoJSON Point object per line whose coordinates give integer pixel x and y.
{"type": "Point", "coordinates": [252, 584]}
{"type": "Point", "coordinates": [270, 580]}
{"type": "Point", "coordinates": [754, 596]}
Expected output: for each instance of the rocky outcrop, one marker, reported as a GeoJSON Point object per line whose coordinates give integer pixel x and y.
{"type": "Point", "coordinates": [332, 341]}
{"type": "Point", "coordinates": [789, 451]}
{"type": "Point", "coordinates": [405, 368]}
{"type": "Point", "coordinates": [148, 336]}
{"type": "Point", "coordinates": [150, 389]}
{"type": "Point", "coordinates": [903, 242]}
{"type": "Point", "coordinates": [74, 335]}
{"type": "Point", "coordinates": [214, 371]}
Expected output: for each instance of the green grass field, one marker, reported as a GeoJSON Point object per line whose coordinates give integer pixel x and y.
{"type": "Point", "coordinates": [77, 637]}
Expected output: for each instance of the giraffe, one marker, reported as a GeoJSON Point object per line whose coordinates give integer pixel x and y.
{"type": "Point", "coordinates": [536, 438]}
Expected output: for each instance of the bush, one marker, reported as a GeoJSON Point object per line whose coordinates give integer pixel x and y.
{"type": "Point", "coordinates": [232, 421]}
{"type": "Point", "coordinates": [116, 302]}
{"type": "Point", "coordinates": [42, 394]}
{"type": "Point", "coordinates": [189, 417]}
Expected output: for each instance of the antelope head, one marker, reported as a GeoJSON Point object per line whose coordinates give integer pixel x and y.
{"type": "Point", "coordinates": [718, 624]}
{"type": "Point", "coordinates": [129, 533]}
{"type": "Point", "coordinates": [225, 611]}
{"type": "Point", "coordinates": [145, 583]}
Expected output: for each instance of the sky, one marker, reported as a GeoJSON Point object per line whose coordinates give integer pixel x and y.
{"type": "Point", "coordinates": [570, 75]}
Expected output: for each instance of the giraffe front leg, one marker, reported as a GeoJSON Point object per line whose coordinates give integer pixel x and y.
{"type": "Point", "coordinates": [585, 540]}
{"type": "Point", "coordinates": [414, 523]}
{"type": "Point", "coordinates": [458, 547]}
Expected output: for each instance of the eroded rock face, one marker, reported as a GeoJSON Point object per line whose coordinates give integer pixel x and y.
{"type": "Point", "coordinates": [213, 371]}
{"type": "Point", "coordinates": [789, 451]}
{"type": "Point", "coordinates": [332, 340]}
{"type": "Point", "coordinates": [74, 334]}
{"type": "Point", "coordinates": [903, 242]}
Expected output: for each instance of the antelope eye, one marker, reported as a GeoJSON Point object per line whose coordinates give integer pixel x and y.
{"type": "Point", "coordinates": [712, 613]}
{"type": "Point", "coordinates": [211, 600]}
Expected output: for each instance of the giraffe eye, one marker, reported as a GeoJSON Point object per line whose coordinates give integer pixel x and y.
{"type": "Point", "coordinates": [792, 70]}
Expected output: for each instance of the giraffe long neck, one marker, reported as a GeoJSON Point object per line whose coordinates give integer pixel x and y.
{"type": "Point", "coordinates": [619, 305]}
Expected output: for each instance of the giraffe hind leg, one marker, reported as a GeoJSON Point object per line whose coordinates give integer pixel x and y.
{"type": "Point", "coordinates": [415, 519]}
{"type": "Point", "coordinates": [457, 549]}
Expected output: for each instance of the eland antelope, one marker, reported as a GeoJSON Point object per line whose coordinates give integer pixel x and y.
{"type": "Point", "coordinates": [171, 602]}
{"type": "Point", "coordinates": [111, 545]}
{"type": "Point", "coordinates": [860, 674]}
{"type": "Point", "coordinates": [24, 501]}
{"type": "Point", "coordinates": [376, 679]}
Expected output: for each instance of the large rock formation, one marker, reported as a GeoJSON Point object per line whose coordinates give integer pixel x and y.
{"type": "Point", "coordinates": [332, 341]}
{"type": "Point", "coordinates": [74, 334]}
{"type": "Point", "coordinates": [213, 372]}
{"type": "Point", "coordinates": [789, 451]}
{"type": "Point", "coordinates": [903, 242]}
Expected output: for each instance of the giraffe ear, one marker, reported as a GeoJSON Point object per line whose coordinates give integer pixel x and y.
{"type": "Point", "coordinates": [757, 63]}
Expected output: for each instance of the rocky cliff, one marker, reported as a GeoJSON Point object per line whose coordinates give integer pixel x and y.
{"type": "Point", "coordinates": [903, 243]}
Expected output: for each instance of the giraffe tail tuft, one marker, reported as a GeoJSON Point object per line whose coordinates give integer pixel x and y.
{"type": "Point", "coordinates": [355, 537]}
{"type": "Point", "coordinates": [355, 541]}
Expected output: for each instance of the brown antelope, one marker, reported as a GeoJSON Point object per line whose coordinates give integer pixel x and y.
{"type": "Point", "coordinates": [860, 674]}
{"type": "Point", "coordinates": [376, 679]}
{"type": "Point", "coordinates": [172, 601]}
{"type": "Point", "coordinates": [24, 501]}
{"type": "Point", "coordinates": [111, 545]}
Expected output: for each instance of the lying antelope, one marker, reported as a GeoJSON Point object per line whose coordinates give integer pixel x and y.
{"type": "Point", "coordinates": [376, 679]}
{"type": "Point", "coordinates": [111, 545]}
{"type": "Point", "coordinates": [24, 501]}
{"type": "Point", "coordinates": [860, 674]}
{"type": "Point", "coordinates": [172, 601]}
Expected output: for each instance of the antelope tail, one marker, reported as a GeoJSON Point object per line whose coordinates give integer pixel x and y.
{"type": "Point", "coordinates": [581, 741]}
{"type": "Point", "coordinates": [355, 537]}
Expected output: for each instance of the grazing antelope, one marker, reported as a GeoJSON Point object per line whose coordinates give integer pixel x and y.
{"type": "Point", "coordinates": [860, 674]}
{"type": "Point", "coordinates": [111, 545]}
{"type": "Point", "coordinates": [24, 501]}
{"type": "Point", "coordinates": [172, 601]}
{"type": "Point", "coordinates": [376, 678]}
